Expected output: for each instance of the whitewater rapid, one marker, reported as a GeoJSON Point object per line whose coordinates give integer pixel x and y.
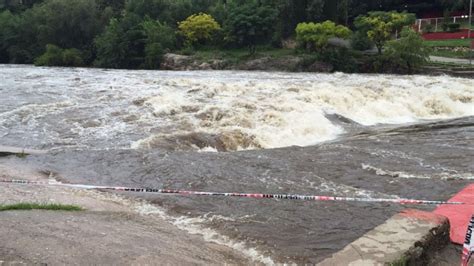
{"type": "Point", "coordinates": [377, 136]}
{"type": "Point", "coordinates": [210, 111]}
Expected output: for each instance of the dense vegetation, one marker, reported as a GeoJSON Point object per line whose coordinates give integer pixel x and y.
{"type": "Point", "coordinates": [136, 33]}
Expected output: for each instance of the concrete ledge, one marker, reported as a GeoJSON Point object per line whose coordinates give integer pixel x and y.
{"type": "Point", "coordinates": [7, 151]}
{"type": "Point", "coordinates": [405, 239]}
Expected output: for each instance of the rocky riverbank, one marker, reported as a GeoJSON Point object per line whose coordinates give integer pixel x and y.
{"type": "Point", "coordinates": [291, 63]}
{"type": "Point", "coordinates": [265, 63]}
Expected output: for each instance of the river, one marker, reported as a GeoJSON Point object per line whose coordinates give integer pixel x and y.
{"type": "Point", "coordinates": [255, 132]}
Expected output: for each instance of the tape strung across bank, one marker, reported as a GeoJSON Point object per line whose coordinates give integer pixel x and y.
{"type": "Point", "coordinates": [241, 195]}
{"type": "Point", "coordinates": [468, 248]}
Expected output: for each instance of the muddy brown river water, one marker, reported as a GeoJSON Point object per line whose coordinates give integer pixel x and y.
{"type": "Point", "coordinates": [256, 132]}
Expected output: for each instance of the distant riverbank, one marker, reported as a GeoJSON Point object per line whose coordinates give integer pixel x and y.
{"type": "Point", "coordinates": [288, 60]}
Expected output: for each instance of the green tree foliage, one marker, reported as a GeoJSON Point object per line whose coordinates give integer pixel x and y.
{"type": "Point", "coordinates": [121, 44]}
{"type": "Point", "coordinates": [126, 33]}
{"type": "Point", "coordinates": [168, 11]}
{"type": "Point", "coordinates": [160, 38]}
{"type": "Point", "coordinates": [453, 4]}
{"type": "Point", "coordinates": [74, 23]}
{"type": "Point", "coordinates": [409, 51]}
{"type": "Point", "coordinates": [316, 35]}
{"type": "Point", "coordinates": [52, 57]}
{"type": "Point", "coordinates": [55, 56]}
{"type": "Point", "coordinates": [131, 42]}
{"type": "Point", "coordinates": [198, 28]}
{"type": "Point", "coordinates": [8, 31]}
{"type": "Point", "coordinates": [250, 24]}
{"type": "Point", "coordinates": [381, 26]}
{"type": "Point", "coordinates": [360, 42]}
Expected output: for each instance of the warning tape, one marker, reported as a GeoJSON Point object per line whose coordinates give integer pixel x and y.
{"type": "Point", "coordinates": [468, 247]}
{"type": "Point", "coordinates": [241, 195]}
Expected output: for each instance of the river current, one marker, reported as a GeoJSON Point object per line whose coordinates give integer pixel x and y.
{"type": "Point", "coordinates": [255, 132]}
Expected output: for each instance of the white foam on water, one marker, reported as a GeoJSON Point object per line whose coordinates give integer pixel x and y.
{"type": "Point", "coordinates": [254, 109]}
{"type": "Point", "coordinates": [286, 112]}
{"type": "Point", "coordinates": [196, 226]}
{"type": "Point", "coordinates": [207, 149]}
{"type": "Point", "coordinates": [399, 174]}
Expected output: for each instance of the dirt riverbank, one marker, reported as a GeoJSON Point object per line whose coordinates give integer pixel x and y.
{"type": "Point", "coordinates": [111, 230]}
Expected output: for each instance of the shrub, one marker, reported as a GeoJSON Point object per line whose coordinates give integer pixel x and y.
{"type": "Point", "coordinates": [160, 38]}
{"type": "Point", "coordinates": [121, 43]}
{"type": "Point", "coordinates": [410, 51]}
{"type": "Point", "coordinates": [198, 28]}
{"type": "Point", "coordinates": [454, 27]}
{"type": "Point", "coordinates": [444, 26]}
{"type": "Point", "coordinates": [428, 28]}
{"type": "Point", "coordinates": [250, 24]}
{"type": "Point", "coordinates": [52, 57]}
{"type": "Point", "coordinates": [380, 26]}
{"type": "Point", "coordinates": [72, 57]}
{"type": "Point", "coordinates": [55, 56]}
{"type": "Point", "coordinates": [342, 59]}
{"type": "Point", "coordinates": [361, 42]}
{"type": "Point", "coordinates": [316, 35]}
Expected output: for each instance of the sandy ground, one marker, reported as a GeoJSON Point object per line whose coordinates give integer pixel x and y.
{"type": "Point", "coordinates": [112, 230]}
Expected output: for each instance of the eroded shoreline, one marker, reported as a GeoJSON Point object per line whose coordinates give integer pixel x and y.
{"type": "Point", "coordinates": [112, 230]}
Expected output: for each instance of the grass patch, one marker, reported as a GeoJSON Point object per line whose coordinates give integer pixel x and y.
{"type": "Point", "coordinates": [403, 261]}
{"type": "Point", "coordinates": [449, 53]}
{"type": "Point", "coordinates": [449, 43]}
{"type": "Point", "coordinates": [39, 206]}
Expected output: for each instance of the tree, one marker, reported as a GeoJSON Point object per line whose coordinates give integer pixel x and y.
{"type": "Point", "coordinates": [122, 43]}
{"type": "Point", "coordinates": [8, 33]}
{"type": "Point", "coordinates": [131, 42]}
{"type": "Point", "coordinates": [410, 50]}
{"type": "Point", "coordinates": [55, 56]}
{"type": "Point", "coordinates": [159, 38]}
{"type": "Point", "coordinates": [379, 26]}
{"type": "Point", "coordinates": [72, 23]}
{"type": "Point", "coordinates": [52, 57]}
{"type": "Point", "coordinates": [453, 4]}
{"type": "Point", "coordinates": [250, 24]}
{"type": "Point", "coordinates": [198, 28]}
{"type": "Point", "coordinates": [317, 35]}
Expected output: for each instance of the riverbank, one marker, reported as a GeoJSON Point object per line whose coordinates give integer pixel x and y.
{"type": "Point", "coordinates": [289, 60]}
{"type": "Point", "coordinates": [348, 135]}
{"type": "Point", "coordinates": [110, 230]}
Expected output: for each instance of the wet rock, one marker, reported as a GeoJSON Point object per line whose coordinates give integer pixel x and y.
{"type": "Point", "coordinates": [184, 62]}
{"type": "Point", "coordinates": [320, 67]}
{"type": "Point", "coordinates": [205, 66]}
{"type": "Point", "coordinates": [175, 61]}
{"type": "Point", "coordinates": [288, 63]}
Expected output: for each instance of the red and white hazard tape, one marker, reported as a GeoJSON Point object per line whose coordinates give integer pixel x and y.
{"type": "Point", "coordinates": [241, 195]}
{"type": "Point", "coordinates": [467, 252]}
{"type": "Point", "coordinates": [468, 247]}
